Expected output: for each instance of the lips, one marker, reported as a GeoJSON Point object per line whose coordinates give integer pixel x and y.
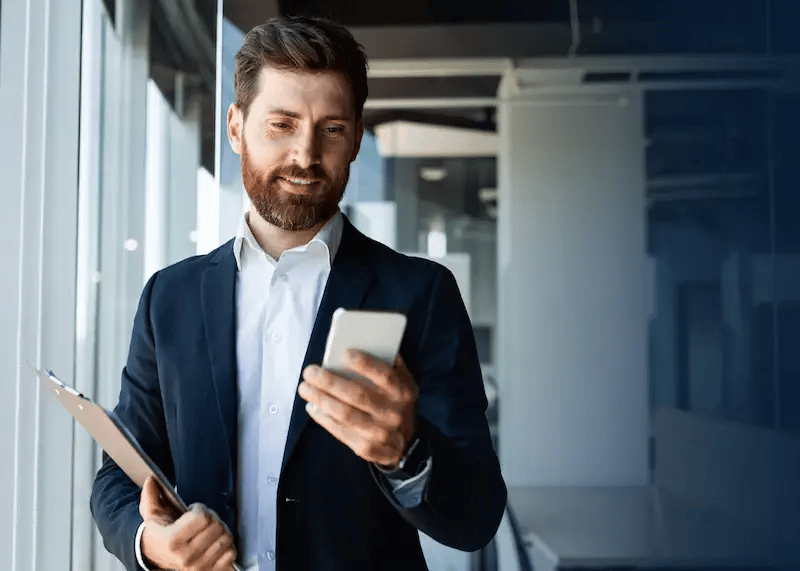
{"type": "Point", "coordinates": [300, 185]}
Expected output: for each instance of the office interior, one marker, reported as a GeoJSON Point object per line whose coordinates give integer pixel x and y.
{"type": "Point", "coordinates": [613, 183]}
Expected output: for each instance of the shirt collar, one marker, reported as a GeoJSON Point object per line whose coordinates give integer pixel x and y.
{"type": "Point", "coordinates": [330, 236]}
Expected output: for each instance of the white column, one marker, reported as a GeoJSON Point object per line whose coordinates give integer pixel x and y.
{"type": "Point", "coordinates": [574, 293]}
{"type": "Point", "coordinates": [184, 160]}
{"type": "Point", "coordinates": [121, 207]}
{"type": "Point", "coordinates": [122, 194]}
{"type": "Point", "coordinates": [40, 47]}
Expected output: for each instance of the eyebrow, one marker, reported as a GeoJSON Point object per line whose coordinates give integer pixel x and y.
{"type": "Point", "coordinates": [286, 112]}
{"type": "Point", "coordinates": [294, 115]}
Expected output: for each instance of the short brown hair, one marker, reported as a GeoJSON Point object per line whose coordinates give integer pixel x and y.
{"type": "Point", "coordinates": [299, 43]}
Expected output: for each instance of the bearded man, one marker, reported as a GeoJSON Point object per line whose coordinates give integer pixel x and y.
{"type": "Point", "coordinates": [289, 466]}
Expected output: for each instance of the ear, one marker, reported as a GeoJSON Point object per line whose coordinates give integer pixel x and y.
{"type": "Point", "coordinates": [235, 128]}
{"type": "Point", "coordinates": [357, 141]}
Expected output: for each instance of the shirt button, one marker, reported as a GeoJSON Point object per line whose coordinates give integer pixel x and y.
{"type": "Point", "coordinates": [273, 409]}
{"type": "Point", "coordinates": [276, 337]}
{"type": "Point", "coordinates": [271, 555]}
{"type": "Point", "coordinates": [272, 480]}
{"type": "Point", "coordinates": [283, 278]}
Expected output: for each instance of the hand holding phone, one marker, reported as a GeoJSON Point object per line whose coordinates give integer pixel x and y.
{"type": "Point", "coordinates": [377, 333]}
{"type": "Point", "coordinates": [378, 424]}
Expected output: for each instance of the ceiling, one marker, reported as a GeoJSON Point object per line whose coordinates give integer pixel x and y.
{"type": "Point", "coordinates": [182, 39]}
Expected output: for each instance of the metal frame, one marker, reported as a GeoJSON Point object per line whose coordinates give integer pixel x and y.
{"type": "Point", "coordinates": [531, 78]}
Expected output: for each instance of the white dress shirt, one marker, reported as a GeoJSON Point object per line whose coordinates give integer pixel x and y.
{"type": "Point", "coordinates": [276, 307]}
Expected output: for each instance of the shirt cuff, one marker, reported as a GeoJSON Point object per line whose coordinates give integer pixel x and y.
{"type": "Point", "coordinates": [408, 493]}
{"type": "Point", "coordinates": [138, 548]}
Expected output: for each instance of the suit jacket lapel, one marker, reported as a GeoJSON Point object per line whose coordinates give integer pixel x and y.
{"type": "Point", "coordinates": [346, 287]}
{"type": "Point", "coordinates": [219, 315]}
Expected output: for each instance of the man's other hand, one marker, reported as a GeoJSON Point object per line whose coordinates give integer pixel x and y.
{"type": "Point", "coordinates": [376, 421]}
{"type": "Point", "coordinates": [194, 541]}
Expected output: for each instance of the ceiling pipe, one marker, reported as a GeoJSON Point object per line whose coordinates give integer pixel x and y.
{"type": "Point", "coordinates": [575, 26]}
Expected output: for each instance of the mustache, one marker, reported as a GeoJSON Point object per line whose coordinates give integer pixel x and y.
{"type": "Point", "coordinates": [294, 171]}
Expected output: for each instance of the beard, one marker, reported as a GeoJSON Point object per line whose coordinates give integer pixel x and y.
{"type": "Point", "coordinates": [284, 209]}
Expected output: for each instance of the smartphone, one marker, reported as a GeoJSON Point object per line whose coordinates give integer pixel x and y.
{"type": "Point", "coordinates": [377, 333]}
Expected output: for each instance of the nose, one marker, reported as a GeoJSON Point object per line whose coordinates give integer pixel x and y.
{"type": "Point", "coordinates": [306, 148]}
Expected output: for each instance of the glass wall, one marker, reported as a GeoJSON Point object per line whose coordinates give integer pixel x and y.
{"type": "Point", "coordinates": [723, 217]}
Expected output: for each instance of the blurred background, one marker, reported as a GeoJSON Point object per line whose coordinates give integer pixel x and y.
{"type": "Point", "coordinates": [613, 183]}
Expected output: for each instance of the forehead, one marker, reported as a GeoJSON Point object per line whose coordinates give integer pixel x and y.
{"type": "Point", "coordinates": [303, 92]}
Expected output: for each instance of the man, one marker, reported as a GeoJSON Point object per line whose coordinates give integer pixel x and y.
{"type": "Point", "coordinates": [328, 474]}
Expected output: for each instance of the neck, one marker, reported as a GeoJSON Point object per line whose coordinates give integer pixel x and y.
{"type": "Point", "coordinates": [275, 240]}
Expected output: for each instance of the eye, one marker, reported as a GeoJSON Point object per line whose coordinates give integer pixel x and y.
{"type": "Point", "coordinates": [280, 126]}
{"type": "Point", "coordinates": [334, 129]}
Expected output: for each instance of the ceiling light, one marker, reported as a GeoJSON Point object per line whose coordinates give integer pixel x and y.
{"type": "Point", "coordinates": [433, 174]}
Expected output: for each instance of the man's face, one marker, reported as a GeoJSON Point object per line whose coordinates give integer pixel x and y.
{"type": "Point", "coordinates": [297, 143]}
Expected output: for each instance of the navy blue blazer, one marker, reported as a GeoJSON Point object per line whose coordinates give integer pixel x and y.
{"type": "Point", "coordinates": [335, 511]}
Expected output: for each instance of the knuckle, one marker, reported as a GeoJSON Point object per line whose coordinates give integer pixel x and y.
{"type": "Point", "coordinates": [225, 561]}
{"type": "Point", "coordinates": [393, 418]}
{"type": "Point", "coordinates": [184, 560]}
{"type": "Point", "coordinates": [381, 434]}
{"type": "Point", "coordinates": [348, 415]}
{"type": "Point", "coordinates": [324, 378]}
{"type": "Point", "coordinates": [363, 449]}
{"type": "Point", "coordinates": [373, 450]}
{"type": "Point", "coordinates": [216, 527]}
{"type": "Point", "coordinates": [360, 396]}
{"type": "Point", "coordinates": [406, 394]}
{"type": "Point", "coordinates": [173, 544]}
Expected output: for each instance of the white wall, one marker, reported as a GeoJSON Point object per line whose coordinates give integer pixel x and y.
{"type": "Point", "coordinates": [405, 139]}
{"type": "Point", "coordinates": [575, 294]}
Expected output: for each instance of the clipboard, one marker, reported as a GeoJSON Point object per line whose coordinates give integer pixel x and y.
{"type": "Point", "coordinates": [113, 436]}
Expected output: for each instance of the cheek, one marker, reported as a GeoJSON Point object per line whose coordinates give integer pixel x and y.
{"type": "Point", "coordinates": [266, 153]}
{"type": "Point", "coordinates": [337, 157]}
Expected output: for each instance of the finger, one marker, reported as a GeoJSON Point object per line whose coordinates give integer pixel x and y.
{"type": "Point", "coordinates": [221, 553]}
{"type": "Point", "coordinates": [225, 561]}
{"type": "Point", "coordinates": [192, 523]}
{"type": "Point", "coordinates": [372, 369]}
{"type": "Point", "coordinates": [348, 401]}
{"type": "Point", "coordinates": [148, 499]}
{"type": "Point", "coordinates": [396, 382]}
{"type": "Point", "coordinates": [210, 544]}
{"type": "Point", "coordinates": [207, 537]}
{"type": "Point", "coordinates": [342, 411]}
{"type": "Point", "coordinates": [382, 451]}
{"type": "Point", "coordinates": [153, 504]}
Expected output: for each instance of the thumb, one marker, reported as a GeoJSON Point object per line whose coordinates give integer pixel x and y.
{"type": "Point", "coordinates": [149, 501]}
{"type": "Point", "coordinates": [153, 506]}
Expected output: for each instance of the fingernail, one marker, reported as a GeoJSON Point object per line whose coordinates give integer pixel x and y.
{"type": "Point", "coordinates": [312, 371]}
{"type": "Point", "coordinates": [311, 407]}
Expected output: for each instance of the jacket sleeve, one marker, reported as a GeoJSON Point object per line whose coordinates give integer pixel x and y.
{"type": "Point", "coordinates": [115, 498]}
{"type": "Point", "coordinates": [465, 496]}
